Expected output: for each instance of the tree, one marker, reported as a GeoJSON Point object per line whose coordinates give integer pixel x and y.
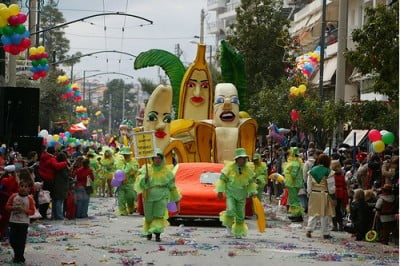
{"type": "Point", "coordinates": [259, 23]}
{"type": "Point", "coordinates": [115, 88]}
{"type": "Point", "coordinates": [377, 49]}
{"type": "Point", "coordinates": [147, 85]}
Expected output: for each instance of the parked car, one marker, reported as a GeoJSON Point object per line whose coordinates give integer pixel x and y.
{"type": "Point", "coordinates": [196, 181]}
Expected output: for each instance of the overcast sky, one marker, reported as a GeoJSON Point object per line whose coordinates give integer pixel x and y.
{"type": "Point", "coordinates": [174, 22]}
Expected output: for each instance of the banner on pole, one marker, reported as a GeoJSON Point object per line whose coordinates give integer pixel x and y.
{"type": "Point", "coordinates": [144, 144]}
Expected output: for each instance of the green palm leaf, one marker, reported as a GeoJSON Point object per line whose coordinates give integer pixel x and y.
{"type": "Point", "coordinates": [171, 65]}
{"type": "Point", "coordinates": [232, 68]}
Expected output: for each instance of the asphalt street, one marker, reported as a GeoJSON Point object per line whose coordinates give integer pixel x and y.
{"type": "Point", "coordinates": [108, 239]}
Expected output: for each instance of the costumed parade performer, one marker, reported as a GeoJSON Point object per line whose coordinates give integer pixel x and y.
{"type": "Point", "coordinates": [293, 177]}
{"type": "Point", "coordinates": [237, 182]}
{"type": "Point", "coordinates": [157, 183]}
{"type": "Point", "coordinates": [260, 169]}
{"type": "Point", "coordinates": [126, 192]}
{"type": "Point", "coordinates": [106, 172]}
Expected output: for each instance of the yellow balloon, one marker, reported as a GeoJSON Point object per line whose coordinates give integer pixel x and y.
{"type": "Point", "coordinates": [3, 22]}
{"type": "Point", "coordinates": [2, 5]}
{"type": "Point", "coordinates": [293, 89]}
{"type": "Point", "coordinates": [379, 146]}
{"type": "Point", "coordinates": [41, 49]}
{"type": "Point", "coordinates": [14, 9]}
{"type": "Point", "coordinates": [32, 51]}
{"type": "Point", "coordinates": [302, 88]}
{"type": "Point", "coordinates": [4, 13]}
{"type": "Point", "coordinates": [243, 114]}
{"type": "Point", "coordinates": [296, 91]}
{"type": "Point", "coordinates": [56, 137]}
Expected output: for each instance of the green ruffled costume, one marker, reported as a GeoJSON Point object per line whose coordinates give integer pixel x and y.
{"type": "Point", "coordinates": [107, 168]}
{"type": "Point", "coordinates": [237, 188]}
{"type": "Point", "coordinates": [126, 192]}
{"type": "Point", "coordinates": [293, 177]}
{"type": "Point", "coordinates": [260, 168]}
{"type": "Point", "coordinates": [158, 190]}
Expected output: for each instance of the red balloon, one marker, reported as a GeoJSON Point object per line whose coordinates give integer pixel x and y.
{"type": "Point", "coordinates": [42, 73]}
{"type": "Point", "coordinates": [374, 135]}
{"type": "Point", "coordinates": [31, 57]}
{"type": "Point", "coordinates": [294, 115]}
{"type": "Point", "coordinates": [25, 43]}
{"type": "Point", "coordinates": [36, 76]}
{"type": "Point", "coordinates": [21, 18]}
{"type": "Point", "coordinates": [44, 55]}
{"type": "Point", "coordinates": [14, 49]}
{"type": "Point", "coordinates": [13, 21]}
{"type": "Point", "coordinates": [7, 48]}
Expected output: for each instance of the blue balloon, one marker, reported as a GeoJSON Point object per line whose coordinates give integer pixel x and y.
{"type": "Point", "coordinates": [67, 134]}
{"type": "Point", "coordinates": [52, 143]}
{"type": "Point", "coordinates": [16, 38]}
{"type": "Point", "coordinates": [46, 67]}
{"type": "Point", "coordinates": [39, 68]}
{"type": "Point", "coordinates": [5, 40]}
{"type": "Point", "coordinates": [33, 69]}
{"type": "Point", "coordinates": [26, 34]}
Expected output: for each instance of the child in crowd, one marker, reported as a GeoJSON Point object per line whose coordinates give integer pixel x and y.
{"type": "Point", "coordinates": [82, 196]}
{"type": "Point", "coordinates": [341, 195]}
{"type": "Point", "coordinates": [8, 186]}
{"type": "Point", "coordinates": [21, 205]}
{"type": "Point", "coordinates": [360, 216]}
{"type": "Point", "coordinates": [386, 209]}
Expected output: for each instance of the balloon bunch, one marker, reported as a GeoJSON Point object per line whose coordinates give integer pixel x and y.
{"type": "Point", "coordinates": [70, 90]}
{"type": "Point", "coordinates": [40, 65]}
{"type": "Point", "coordinates": [15, 37]}
{"type": "Point", "coordinates": [307, 63]}
{"type": "Point", "coordinates": [296, 91]}
{"type": "Point", "coordinates": [379, 139]}
{"type": "Point", "coordinates": [294, 115]}
{"type": "Point", "coordinates": [58, 140]}
{"type": "Point", "coordinates": [100, 116]}
{"type": "Point", "coordinates": [81, 113]}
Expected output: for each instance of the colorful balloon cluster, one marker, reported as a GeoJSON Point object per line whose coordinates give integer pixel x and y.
{"type": "Point", "coordinates": [40, 65]}
{"type": "Point", "coordinates": [81, 113]}
{"type": "Point", "coordinates": [379, 139]}
{"type": "Point", "coordinates": [70, 90]}
{"type": "Point", "coordinates": [60, 139]}
{"type": "Point", "coordinates": [307, 63]}
{"type": "Point", "coordinates": [100, 116]}
{"type": "Point", "coordinates": [296, 91]}
{"type": "Point", "coordinates": [15, 37]}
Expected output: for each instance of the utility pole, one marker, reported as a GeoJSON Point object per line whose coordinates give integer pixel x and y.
{"type": "Point", "coordinates": [109, 114]}
{"type": "Point", "coordinates": [322, 53]}
{"type": "Point", "coordinates": [202, 16]}
{"type": "Point", "coordinates": [32, 20]}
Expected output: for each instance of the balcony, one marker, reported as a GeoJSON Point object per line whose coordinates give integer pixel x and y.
{"type": "Point", "coordinates": [230, 10]}
{"type": "Point", "coordinates": [216, 5]}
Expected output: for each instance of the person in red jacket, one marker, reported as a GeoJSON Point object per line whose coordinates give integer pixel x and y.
{"type": "Point", "coordinates": [48, 165]}
{"type": "Point", "coordinates": [8, 186]}
{"type": "Point", "coordinates": [341, 195]}
{"type": "Point", "coordinates": [82, 196]}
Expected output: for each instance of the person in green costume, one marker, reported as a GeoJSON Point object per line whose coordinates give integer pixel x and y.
{"type": "Point", "coordinates": [106, 172]}
{"type": "Point", "coordinates": [156, 182]}
{"type": "Point", "coordinates": [293, 178]}
{"type": "Point", "coordinates": [126, 192]}
{"type": "Point", "coordinates": [237, 182]}
{"type": "Point", "coordinates": [94, 165]}
{"type": "Point", "coordinates": [260, 168]}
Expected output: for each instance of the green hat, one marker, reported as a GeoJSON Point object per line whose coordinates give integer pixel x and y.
{"type": "Point", "coordinates": [91, 152]}
{"type": "Point", "coordinates": [294, 151]}
{"type": "Point", "coordinates": [256, 156]}
{"type": "Point", "coordinates": [240, 152]}
{"type": "Point", "coordinates": [125, 150]}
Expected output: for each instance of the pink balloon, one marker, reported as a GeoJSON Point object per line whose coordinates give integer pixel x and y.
{"type": "Point", "coordinates": [13, 21]}
{"type": "Point", "coordinates": [374, 135]}
{"type": "Point", "coordinates": [21, 18]}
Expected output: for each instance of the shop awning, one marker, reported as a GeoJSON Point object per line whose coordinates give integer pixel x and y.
{"type": "Point", "coordinates": [77, 128]}
{"type": "Point", "coordinates": [330, 66]}
{"type": "Point", "coordinates": [361, 134]}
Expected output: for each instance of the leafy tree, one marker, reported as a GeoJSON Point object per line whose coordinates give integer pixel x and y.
{"type": "Point", "coordinates": [377, 49]}
{"type": "Point", "coordinates": [147, 85]}
{"type": "Point", "coordinates": [259, 23]}
{"type": "Point", "coordinates": [115, 88]}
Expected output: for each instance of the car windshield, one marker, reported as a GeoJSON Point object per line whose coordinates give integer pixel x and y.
{"type": "Point", "coordinates": [209, 177]}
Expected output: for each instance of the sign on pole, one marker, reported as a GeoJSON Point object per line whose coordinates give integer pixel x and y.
{"type": "Point", "coordinates": [144, 144]}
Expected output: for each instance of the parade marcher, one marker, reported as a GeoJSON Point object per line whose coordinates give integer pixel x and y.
{"type": "Point", "coordinates": [311, 158]}
{"type": "Point", "coordinates": [321, 191]}
{"type": "Point", "coordinates": [293, 176]}
{"type": "Point", "coordinates": [237, 182]}
{"type": "Point", "coordinates": [82, 195]}
{"type": "Point", "coordinates": [106, 172]}
{"type": "Point", "coordinates": [126, 192]}
{"type": "Point", "coordinates": [157, 185]}
{"type": "Point", "coordinates": [61, 181]}
{"type": "Point", "coordinates": [95, 166]}
{"type": "Point", "coordinates": [362, 171]}
{"type": "Point", "coordinates": [47, 167]}
{"type": "Point", "coordinates": [260, 169]}
{"type": "Point", "coordinates": [341, 195]}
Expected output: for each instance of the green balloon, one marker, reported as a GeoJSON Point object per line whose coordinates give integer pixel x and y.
{"type": "Point", "coordinates": [20, 29]}
{"type": "Point", "coordinates": [388, 138]}
{"type": "Point", "coordinates": [43, 61]}
{"type": "Point", "coordinates": [8, 30]}
{"type": "Point", "coordinates": [35, 63]}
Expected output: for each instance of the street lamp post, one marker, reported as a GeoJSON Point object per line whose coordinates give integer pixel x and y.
{"type": "Point", "coordinates": [84, 82]}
